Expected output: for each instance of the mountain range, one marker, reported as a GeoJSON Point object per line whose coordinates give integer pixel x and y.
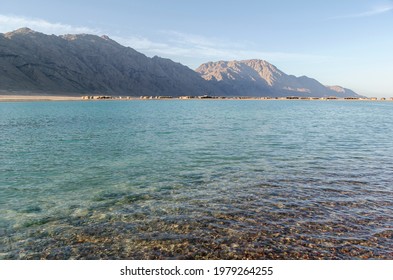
{"type": "Point", "coordinates": [82, 64]}
{"type": "Point", "coordinates": [253, 77]}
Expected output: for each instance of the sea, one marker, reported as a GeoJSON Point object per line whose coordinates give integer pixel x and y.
{"type": "Point", "coordinates": [196, 179]}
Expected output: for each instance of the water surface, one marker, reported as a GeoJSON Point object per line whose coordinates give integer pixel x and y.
{"type": "Point", "coordinates": [196, 179]}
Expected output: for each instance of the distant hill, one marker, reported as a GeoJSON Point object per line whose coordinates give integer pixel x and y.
{"type": "Point", "coordinates": [88, 64]}
{"type": "Point", "coordinates": [82, 64]}
{"type": "Point", "coordinates": [260, 78]}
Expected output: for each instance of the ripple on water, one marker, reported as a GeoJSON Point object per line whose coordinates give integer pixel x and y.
{"type": "Point", "coordinates": [198, 180]}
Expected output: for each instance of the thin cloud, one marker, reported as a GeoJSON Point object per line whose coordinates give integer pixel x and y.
{"type": "Point", "coordinates": [178, 45]}
{"type": "Point", "coordinates": [10, 23]}
{"type": "Point", "coordinates": [374, 12]}
{"type": "Point", "coordinates": [191, 39]}
{"type": "Point", "coordinates": [140, 43]}
{"type": "Point", "coordinates": [172, 44]}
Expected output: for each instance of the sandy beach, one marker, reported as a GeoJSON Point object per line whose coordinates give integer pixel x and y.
{"type": "Point", "coordinates": [4, 97]}
{"type": "Point", "coordinates": [21, 98]}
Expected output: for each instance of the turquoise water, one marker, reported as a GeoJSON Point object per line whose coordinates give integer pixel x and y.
{"type": "Point", "coordinates": [196, 179]}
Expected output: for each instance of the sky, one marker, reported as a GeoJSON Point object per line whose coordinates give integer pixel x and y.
{"type": "Point", "coordinates": [338, 42]}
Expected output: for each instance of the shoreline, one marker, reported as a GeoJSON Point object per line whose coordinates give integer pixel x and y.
{"type": "Point", "coordinates": [33, 98]}
{"type": "Point", "coordinates": [37, 98]}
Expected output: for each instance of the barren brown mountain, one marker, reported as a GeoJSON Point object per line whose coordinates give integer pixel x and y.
{"type": "Point", "coordinates": [88, 64]}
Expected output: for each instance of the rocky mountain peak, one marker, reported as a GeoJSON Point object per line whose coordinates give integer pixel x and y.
{"type": "Point", "coordinates": [253, 69]}
{"type": "Point", "coordinates": [89, 39]}
{"type": "Point", "coordinates": [21, 32]}
{"type": "Point", "coordinates": [86, 37]}
{"type": "Point", "coordinates": [337, 88]}
{"type": "Point", "coordinates": [256, 77]}
{"type": "Point", "coordinates": [341, 91]}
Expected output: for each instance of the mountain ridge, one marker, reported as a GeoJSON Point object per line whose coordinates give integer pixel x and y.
{"type": "Point", "coordinates": [254, 76]}
{"type": "Point", "coordinates": [89, 64]}
{"type": "Point", "coordinates": [84, 63]}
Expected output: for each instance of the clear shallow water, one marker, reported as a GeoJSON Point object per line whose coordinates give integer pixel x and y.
{"type": "Point", "coordinates": [196, 179]}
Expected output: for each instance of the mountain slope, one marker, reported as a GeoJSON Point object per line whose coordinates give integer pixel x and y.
{"type": "Point", "coordinates": [89, 64]}
{"type": "Point", "coordinates": [260, 78]}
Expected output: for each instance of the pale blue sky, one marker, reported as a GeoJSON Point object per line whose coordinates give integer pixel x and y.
{"type": "Point", "coordinates": [347, 42]}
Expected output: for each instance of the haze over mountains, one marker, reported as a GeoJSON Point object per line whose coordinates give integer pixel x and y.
{"type": "Point", "coordinates": [88, 64]}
